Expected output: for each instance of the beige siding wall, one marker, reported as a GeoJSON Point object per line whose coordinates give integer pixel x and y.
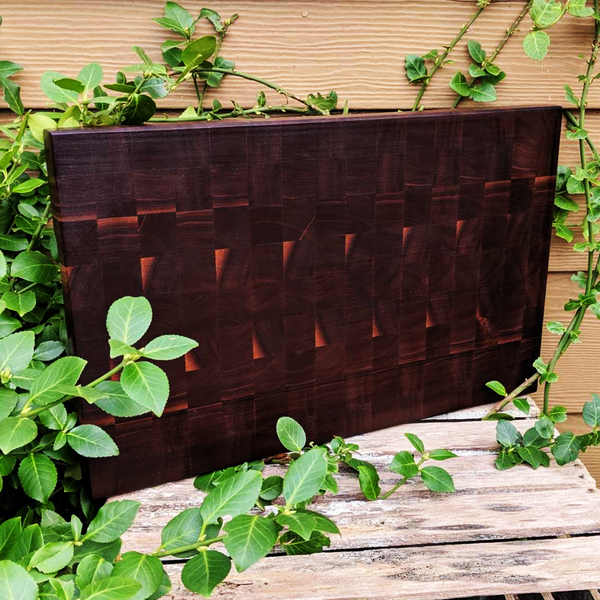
{"type": "Point", "coordinates": [353, 46]}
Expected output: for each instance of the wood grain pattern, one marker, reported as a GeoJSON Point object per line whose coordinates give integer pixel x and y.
{"type": "Point", "coordinates": [356, 48]}
{"type": "Point", "coordinates": [327, 270]}
{"type": "Point", "coordinates": [420, 545]}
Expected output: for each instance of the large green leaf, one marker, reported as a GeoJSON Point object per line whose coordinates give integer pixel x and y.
{"type": "Point", "coordinates": [305, 476]}
{"type": "Point", "coordinates": [459, 84]}
{"type": "Point", "coordinates": [16, 351]}
{"type": "Point", "coordinates": [116, 402]}
{"type": "Point", "coordinates": [200, 49]}
{"type": "Point", "coordinates": [52, 557]}
{"type": "Point", "coordinates": [90, 76]}
{"type": "Point", "coordinates": [65, 371]}
{"type": "Point", "coordinates": [546, 13]}
{"type": "Point", "coordinates": [92, 442]}
{"type": "Point", "coordinates": [368, 479]}
{"type": "Point", "coordinates": [21, 303]}
{"type": "Point", "coordinates": [437, 479]}
{"type": "Point", "coordinates": [179, 15]}
{"type": "Point", "coordinates": [295, 545]}
{"type": "Point", "coordinates": [146, 570]}
{"type": "Point", "coordinates": [591, 411]}
{"type": "Point", "coordinates": [112, 520]}
{"type": "Point", "coordinates": [10, 531]}
{"type": "Point", "coordinates": [38, 476]}
{"type": "Point", "coordinates": [35, 267]}
{"type": "Point", "coordinates": [536, 44]}
{"type": "Point", "coordinates": [404, 463]}
{"type": "Point", "coordinates": [290, 434]}
{"type": "Point", "coordinates": [139, 109]}
{"type": "Point", "coordinates": [507, 434]}
{"type": "Point", "coordinates": [566, 448]}
{"type": "Point", "coordinates": [111, 588]}
{"type": "Point", "coordinates": [250, 538]}
{"type": "Point", "coordinates": [168, 347]}
{"type": "Point", "coordinates": [8, 68]}
{"type": "Point", "coordinates": [128, 319]}
{"type": "Point", "coordinates": [485, 92]}
{"type": "Point", "coordinates": [16, 583]}
{"type": "Point", "coordinates": [8, 401]}
{"type": "Point", "coordinates": [15, 432]}
{"type": "Point", "coordinates": [12, 95]}
{"type": "Point", "coordinates": [415, 69]}
{"type": "Point", "coordinates": [476, 51]}
{"type": "Point", "coordinates": [302, 523]}
{"type": "Point", "coordinates": [203, 573]}
{"type": "Point", "coordinates": [52, 91]}
{"type": "Point", "coordinates": [147, 384]}
{"type": "Point", "coordinates": [91, 569]}
{"type": "Point", "coordinates": [235, 496]}
{"type": "Point", "coordinates": [182, 530]}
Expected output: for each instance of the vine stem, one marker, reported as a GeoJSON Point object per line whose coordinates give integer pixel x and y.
{"type": "Point", "coordinates": [592, 273]}
{"type": "Point", "coordinates": [268, 84]}
{"type": "Point", "coordinates": [507, 35]}
{"type": "Point", "coordinates": [162, 553]}
{"type": "Point", "coordinates": [508, 399]}
{"type": "Point", "coordinates": [40, 227]}
{"type": "Point", "coordinates": [400, 483]}
{"type": "Point", "coordinates": [29, 414]}
{"type": "Point", "coordinates": [256, 110]}
{"type": "Point", "coordinates": [439, 62]}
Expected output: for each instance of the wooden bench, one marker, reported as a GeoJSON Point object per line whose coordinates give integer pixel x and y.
{"type": "Point", "coordinates": [520, 534]}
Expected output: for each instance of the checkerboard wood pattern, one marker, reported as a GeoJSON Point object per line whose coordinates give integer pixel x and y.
{"type": "Point", "coordinates": [351, 272]}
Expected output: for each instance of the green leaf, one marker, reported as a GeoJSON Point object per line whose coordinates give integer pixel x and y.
{"type": "Point", "coordinates": [575, 133]}
{"type": "Point", "coordinates": [65, 371]}
{"type": "Point", "coordinates": [476, 52]}
{"type": "Point", "coordinates": [128, 319]}
{"type": "Point", "coordinates": [8, 401]}
{"type": "Point", "coordinates": [139, 109]}
{"type": "Point", "coordinates": [441, 454]}
{"type": "Point", "coordinates": [368, 479]}
{"type": "Point", "coordinates": [497, 387]}
{"type": "Point", "coordinates": [437, 479]}
{"type": "Point", "coordinates": [91, 569]}
{"type": "Point", "coordinates": [52, 557]}
{"type": "Point", "coordinates": [16, 583]}
{"type": "Point", "coordinates": [13, 243]}
{"type": "Point", "coordinates": [416, 442]}
{"type": "Point", "coordinates": [294, 545]}
{"type": "Point", "coordinates": [476, 71]}
{"type": "Point", "coordinates": [271, 488]}
{"type": "Point", "coordinates": [92, 442]}
{"type": "Point", "coordinates": [532, 456]}
{"type": "Point", "coordinates": [522, 404]}
{"type": "Point", "coordinates": [557, 414]}
{"type": "Point", "coordinates": [556, 327]}
{"type": "Point", "coordinates": [118, 348]}
{"type": "Point", "coordinates": [546, 13]}
{"type": "Point", "coordinates": [301, 523]}
{"type": "Point", "coordinates": [485, 92]}
{"type": "Point", "coordinates": [214, 17]}
{"type": "Point", "coordinates": [290, 434]}
{"type": "Point", "coordinates": [12, 95]}
{"type": "Point", "coordinates": [111, 588]}
{"type": "Point", "coordinates": [545, 427]}
{"type": "Point", "coordinates": [199, 50]}
{"type": "Point", "coordinates": [182, 530]}
{"type": "Point", "coordinates": [305, 477]}
{"type": "Point", "coordinates": [179, 15]}
{"type": "Point", "coordinates": [503, 462]}
{"type": "Point", "coordinates": [168, 347]}
{"type": "Point", "coordinates": [146, 570]}
{"type": "Point", "coordinates": [536, 44]}
{"type": "Point", "coordinates": [27, 186]}
{"type": "Point", "coordinates": [591, 411]}
{"type": "Point", "coordinates": [147, 385]}
{"type": "Point", "coordinates": [415, 68]}
{"type": "Point", "coordinates": [35, 267]}
{"type": "Point", "coordinates": [507, 434]}
{"type": "Point", "coordinates": [16, 351]}
{"type": "Point", "coordinates": [10, 532]}
{"type": "Point", "coordinates": [38, 477]}
{"type": "Point", "coordinates": [8, 68]}
{"type": "Point", "coordinates": [15, 433]}
{"type": "Point", "coordinates": [459, 84]}
{"type": "Point", "coordinates": [249, 538]}
{"type": "Point", "coordinates": [533, 439]}
{"type": "Point", "coordinates": [8, 325]}
{"type": "Point", "coordinates": [203, 573]}
{"type": "Point", "coordinates": [116, 402]}
{"type": "Point", "coordinates": [156, 87]}
{"type": "Point", "coordinates": [55, 93]}
{"type": "Point", "coordinates": [21, 303]}
{"type": "Point", "coordinates": [90, 76]}
{"type": "Point", "coordinates": [66, 83]}
{"type": "Point", "coordinates": [564, 232]}
{"type": "Point", "coordinates": [112, 520]}
{"type": "Point", "coordinates": [323, 523]}
{"type": "Point", "coordinates": [578, 8]}
{"type": "Point", "coordinates": [566, 448]}
{"type": "Point", "coordinates": [47, 351]}
{"type": "Point", "coordinates": [404, 463]}
{"type": "Point", "coordinates": [235, 496]}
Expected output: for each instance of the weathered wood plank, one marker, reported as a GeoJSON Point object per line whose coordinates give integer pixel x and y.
{"type": "Point", "coordinates": [450, 571]}
{"type": "Point", "coordinates": [357, 48]}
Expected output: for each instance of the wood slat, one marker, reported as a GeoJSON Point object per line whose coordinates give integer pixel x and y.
{"type": "Point", "coordinates": [451, 571]}
{"type": "Point", "coordinates": [413, 516]}
{"type": "Point", "coordinates": [354, 47]}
